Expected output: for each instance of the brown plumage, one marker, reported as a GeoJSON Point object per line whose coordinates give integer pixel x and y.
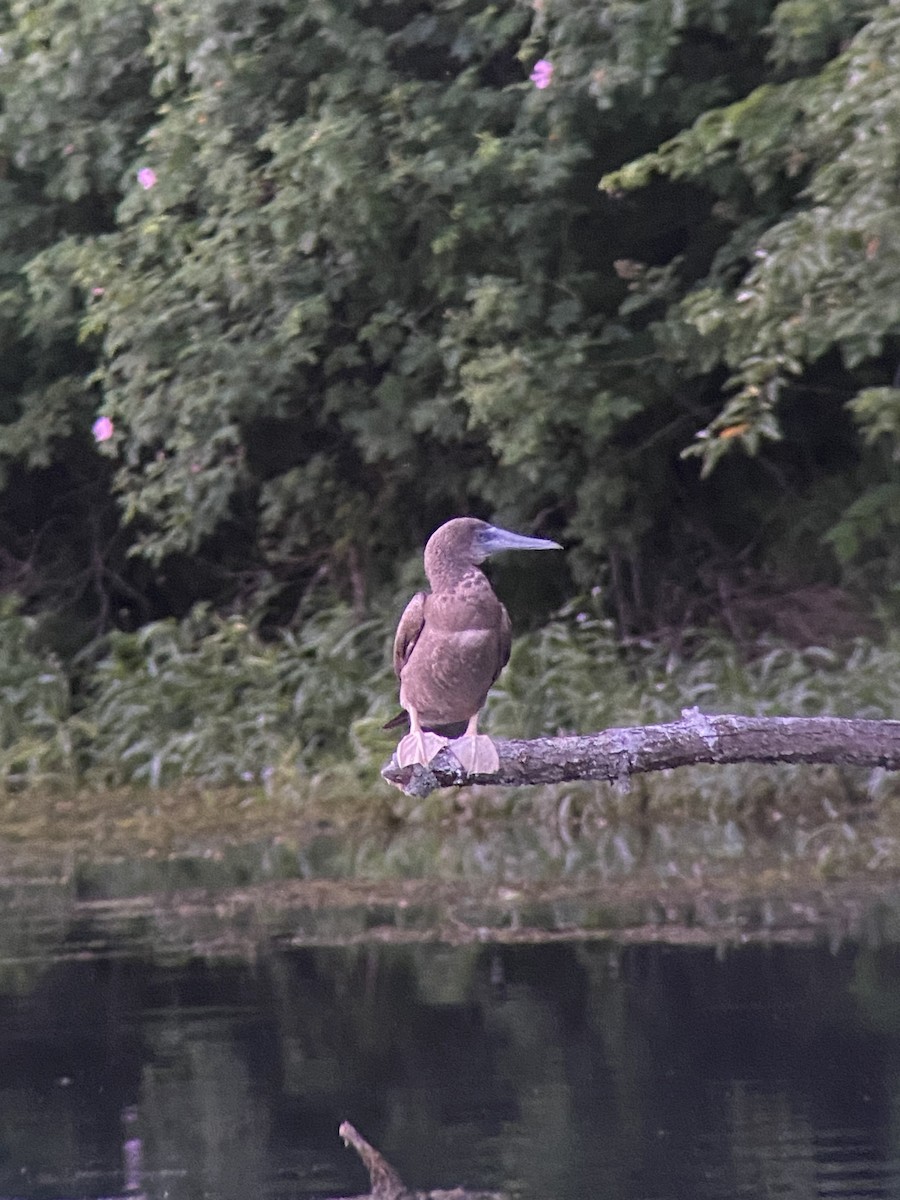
{"type": "Point", "coordinates": [453, 642]}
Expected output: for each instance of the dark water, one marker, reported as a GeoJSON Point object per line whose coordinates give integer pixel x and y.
{"type": "Point", "coordinates": [556, 1072]}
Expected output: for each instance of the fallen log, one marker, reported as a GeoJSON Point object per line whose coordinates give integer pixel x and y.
{"type": "Point", "coordinates": [614, 755]}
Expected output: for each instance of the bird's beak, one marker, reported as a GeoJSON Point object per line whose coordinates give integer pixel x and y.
{"type": "Point", "coordinates": [494, 539]}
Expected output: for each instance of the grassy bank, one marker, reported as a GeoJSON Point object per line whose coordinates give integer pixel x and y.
{"type": "Point", "coordinates": [205, 753]}
{"type": "Point", "coordinates": [208, 699]}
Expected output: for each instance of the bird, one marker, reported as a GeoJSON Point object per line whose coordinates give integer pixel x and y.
{"type": "Point", "coordinates": [452, 643]}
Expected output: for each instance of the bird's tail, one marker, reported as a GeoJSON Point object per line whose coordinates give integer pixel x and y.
{"type": "Point", "coordinates": [454, 730]}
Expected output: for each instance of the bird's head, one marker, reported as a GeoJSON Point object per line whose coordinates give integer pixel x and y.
{"type": "Point", "coordinates": [465, 542]}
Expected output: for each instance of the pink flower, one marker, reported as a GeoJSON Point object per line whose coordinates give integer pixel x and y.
{"type": "Point", "coordinates": [146, 177]}
{"type": "Point", "coordinates": [98, 291]}
{"type": "Point", "coordinates": [102, 429]}
{"type": "Point", "coordinates": [542, 73]}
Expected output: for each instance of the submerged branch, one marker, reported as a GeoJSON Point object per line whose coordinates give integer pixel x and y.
{"type": "Point", "coordinates": [384, 1181]}
{"type": "Point", "coordinates": [614, 755]}
{"type": "Point", "coordinates": [386, 1184]}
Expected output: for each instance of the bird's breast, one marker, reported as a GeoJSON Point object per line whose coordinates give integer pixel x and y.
{"type": "Point", "coordinates": [449, 673]}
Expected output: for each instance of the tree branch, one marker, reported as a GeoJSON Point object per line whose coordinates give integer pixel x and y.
{"type": "Point", "coordinates": [614, 755]}
{"type": "Point", "coordinates": [386, 1184]}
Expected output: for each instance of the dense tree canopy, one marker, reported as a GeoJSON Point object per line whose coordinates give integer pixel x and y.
{"type": "Point", "coordinates": [331, 271]}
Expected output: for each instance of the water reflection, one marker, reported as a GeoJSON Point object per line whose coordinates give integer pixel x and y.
{"type": "Point", "coordinates": [550, 1072]}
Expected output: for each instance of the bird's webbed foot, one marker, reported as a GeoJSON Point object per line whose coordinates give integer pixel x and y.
{"type": "Point", "coordinates": [476, 754]}
{"type": "Point", "coordinates": [419, 747]}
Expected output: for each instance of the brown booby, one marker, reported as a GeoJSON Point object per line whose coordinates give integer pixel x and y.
{"type": "Point", "coordinates": [453, 642]}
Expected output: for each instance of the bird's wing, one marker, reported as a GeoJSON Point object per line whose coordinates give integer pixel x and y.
{"type": "Point", "coordinates": [505, 641]}
{"type": "Point", "coordinates": [411, 624]}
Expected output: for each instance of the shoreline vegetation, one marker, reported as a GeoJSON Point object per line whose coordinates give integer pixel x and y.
{"type": "Point", "coordinates": [209, 699]}
{"type": "Point", "coordinates": [284, 290]}
{"type": "Point", "coordinates": [212, 758]}
{"type": "Point", "coordinates": [285, 287]}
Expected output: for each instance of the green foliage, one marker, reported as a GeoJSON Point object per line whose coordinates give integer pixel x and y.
{"type": "Point", "coordinates": [374, 270]}
{"type": "Point", "coordinates": [75, 80]}
{"type": "Point", "coordinates": [268, 307]}
{"type": "Point", "coordinates": [336, 271]}
{"type": "Point", "coordinates": [806, 170]}
{"type": "Point", "coordinates": [208, 699]}
{"type": "Point", "coordinates": [74, 85]}
{"type": "Point", "coordinates": [573, 676]}
{"type": "Point", "coordinates": [37, 729]}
